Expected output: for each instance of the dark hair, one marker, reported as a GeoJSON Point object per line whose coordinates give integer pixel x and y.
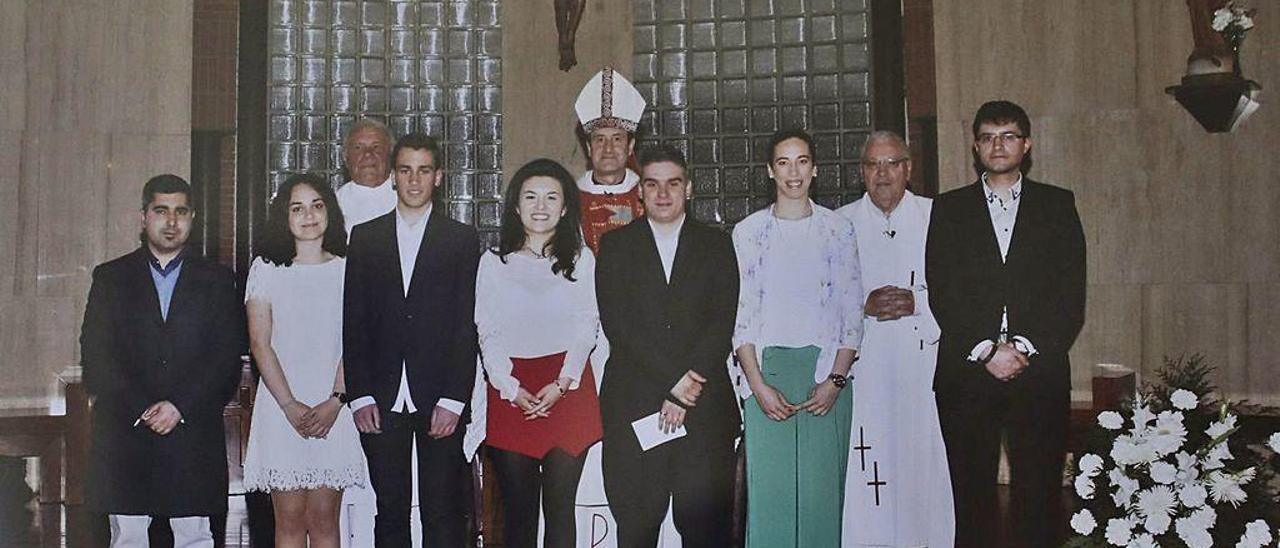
{"type": "Point", "coordinates": [794, 133]}
{"type": "Point", "coordinates": [999, 113]}
{"type": "Point", "coordinates": [418, 141]}
{"type": "Point", "coordinates": [566, 244]}
{"type": "Point", "coordinates": [663, 153]}
{"type": "Point", "coordinates": [165, 184]}
{"type": "Point", "coordinates": [277, 245]}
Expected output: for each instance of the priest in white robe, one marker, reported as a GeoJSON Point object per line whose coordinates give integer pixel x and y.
{"type": "Point", "coordinates": [898, 490]}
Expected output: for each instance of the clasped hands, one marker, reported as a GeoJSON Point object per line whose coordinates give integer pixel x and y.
{"type": "Point", "coordinates": [890, 303]}
{"type": "Point", "coordinates": [1007, 362]}
{"type": "Point", "coordinates": [312, 422]}
{"type": "Point", "coordinates": [536, 406]}
{"type": "Point", "coordinates": [822, 397]}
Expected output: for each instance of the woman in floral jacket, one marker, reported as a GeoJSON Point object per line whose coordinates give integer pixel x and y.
{"type": "Point", "coordinates": [798, 329]}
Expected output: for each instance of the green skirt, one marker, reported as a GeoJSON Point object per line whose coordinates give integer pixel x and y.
{"type": "Point", "coordinates": [796, 468]}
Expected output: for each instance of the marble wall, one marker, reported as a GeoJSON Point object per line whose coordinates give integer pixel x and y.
{"type": "Point", "coordinates": [1181, 224]}
{"type": "Point", "coordinates": [537, 97]}
{"type": "Point", "coordinates": [95, 98]}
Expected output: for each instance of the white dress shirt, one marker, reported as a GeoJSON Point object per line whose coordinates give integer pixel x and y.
{"type": "Point", "coordinates": [1004, 215]}
{"type": "Point", "coordinates": [667, 244]}
{"type": "Point", "coordinates": [408, 242]}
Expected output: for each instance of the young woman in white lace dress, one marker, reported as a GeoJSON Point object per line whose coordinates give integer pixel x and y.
{"type": "Point", "coordinates": [303, 445]}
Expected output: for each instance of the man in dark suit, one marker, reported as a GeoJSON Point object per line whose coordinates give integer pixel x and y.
{"type": "Point", "coordinates": [160, 346]}
{"type": "Point", "coordinates": [1005, 264]}
{"type": "Point", "coordinates": [667, 287]}
{"type": "Point", "coordinates": [409, 348]}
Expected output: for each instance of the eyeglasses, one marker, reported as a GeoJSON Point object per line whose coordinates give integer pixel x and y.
{"type": "Point", "coordinates": [1006, 137]}
{"type": "Point", "coordinates": [888, 163]}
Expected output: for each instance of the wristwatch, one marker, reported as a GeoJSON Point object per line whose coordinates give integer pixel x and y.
{"type": "Point", "coordinates": [342, 397]}
{"type": "Point", "coordinates": [839, 380]}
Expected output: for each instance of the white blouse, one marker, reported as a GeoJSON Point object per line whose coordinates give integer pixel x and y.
{"type": "Point", "coordinates": [761, 242]}
{"type": "Point", "coordinates": [523, 310]}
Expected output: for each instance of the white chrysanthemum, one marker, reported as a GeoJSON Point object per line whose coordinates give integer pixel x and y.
{"type": "Point", "coordinates": [1225, 487]}
{"type": "Point", "coordinates": [1110, 420]}
{"type": "Point", "coordinates": [1084, 487]}
{"type": "Point", "coordinates": [1257, 532]}
{"type": "Point", "coordinates": [1145, 540]}
{"type": "Point", "coordinates": [1119, 531]}
{"type": "Point", "coordinates": [1184, 399]}
{"type": "Point", "coordinates": [1091, 464]}
{"type": "Point", "coordinates": [1083, 523]}
{"type": "Point", "coordinates": [1274, 442]}
{"type": "Point", "coordinates": [1221, 19]}
{"type": "Point", "coordinates": [1158, 500]}
{"type": "Point", "coordinates": [1220, 428]}
{"type": "Point", "coordinates": [1192, 533]}
{"type": "Point", "coordinates": [1245, 22]}
{"type": "Point", "coordinates": [1157, 524]}
{"type": "Point", "coordinates": [1169, 433]}
{"type": "Point", "coordinates": [1125, 488]}
{"type": "Point", "coordinates": [1193, 494]}
{"type": "Point", "coordinates": [1142, 416]}
{"type": "Point", "coordinates": [1163, 472]}
{"type": "Point", "coordinates": [1130, 450]}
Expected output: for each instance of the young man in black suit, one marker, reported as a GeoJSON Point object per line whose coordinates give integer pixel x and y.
{"type": "Point", "coordinates": [160, 346]}
{"type": "Point", "coordinates": [409, 348]}
{"type": "Point", "coordinates": [667, 287]}
{"type": "Point", "coordinates": [1005, 264]}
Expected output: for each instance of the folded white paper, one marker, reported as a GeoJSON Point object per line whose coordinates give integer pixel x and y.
{"type": "Point", "coordinates": [650, 434]}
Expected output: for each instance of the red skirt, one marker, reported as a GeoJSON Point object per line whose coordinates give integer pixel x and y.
{"type": "Point", "coordinates": [574, 424]}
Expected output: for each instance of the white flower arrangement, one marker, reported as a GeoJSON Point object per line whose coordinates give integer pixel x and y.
{"type": "Point", "coordinates": [1232, 21]}
{"type": "Point", "coordinates": [1169, 479]}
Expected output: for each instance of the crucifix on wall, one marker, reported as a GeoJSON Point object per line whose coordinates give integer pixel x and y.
{"type": "Point", "coordinates": [568, 15]}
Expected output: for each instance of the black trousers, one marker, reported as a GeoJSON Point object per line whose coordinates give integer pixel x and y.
{"type": "Point", "coordinates": [1034, 427]}
{"type": "Point", "coordinates": [695, 474]}
{"type": "Point", "coordinates": [524, 482]}
{"type": "Point", "coordinates": [441, 481]}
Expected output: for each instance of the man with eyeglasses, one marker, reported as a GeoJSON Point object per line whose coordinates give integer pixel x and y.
{"type": "Point", "coordinates": [1005, 265]}
{"type": "Point", "coordinates": [160, 346]}
{"type": "Point", "coordinates": [898, 490]}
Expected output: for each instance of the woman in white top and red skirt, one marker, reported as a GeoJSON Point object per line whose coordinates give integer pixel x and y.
{"type": "Point", "coordinates": [537, 320]}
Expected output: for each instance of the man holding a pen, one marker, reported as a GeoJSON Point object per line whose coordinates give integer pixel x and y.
{"type": "Point", "coordinates": [160, 347]}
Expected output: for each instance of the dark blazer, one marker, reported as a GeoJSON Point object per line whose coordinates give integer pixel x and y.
{"type": "Point", "coordinates": [133, 358]}
{"type": "Point", "coordinates": [658, 331]}
{"type": "Point", "coordinates": [1042, 283]}
{"type": "Point", "coordinates": [431, 331]}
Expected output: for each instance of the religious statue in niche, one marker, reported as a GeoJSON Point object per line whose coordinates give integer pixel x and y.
{"type": "Point", "coordinates": [1217, 27]}
{"type": "Point", "coordinates": [568, 15]}
{"type": "Point", "coordinates": [1214, 90]}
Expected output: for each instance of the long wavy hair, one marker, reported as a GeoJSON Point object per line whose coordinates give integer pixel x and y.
{"type": "Point", "coordinates": [277, 245]}
{"type": "Point", "coordinates": [566, 244]}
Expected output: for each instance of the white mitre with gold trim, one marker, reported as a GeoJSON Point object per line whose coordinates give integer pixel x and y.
{"type": "Point", "coordinates": [609, 100]}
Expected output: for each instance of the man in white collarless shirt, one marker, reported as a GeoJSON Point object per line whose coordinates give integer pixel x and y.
{"type": "Point", "coordinates": [409, 347]}
{"type": "Point", "coordinates": [369, 190]}
{"type": "Point", "coordinates": [668, 296]}
{"type": "Point", "coordinates": [1005, 262]}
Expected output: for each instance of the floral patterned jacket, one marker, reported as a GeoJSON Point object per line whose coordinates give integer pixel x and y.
{"type": "Point", "coordinates": [841, 285]}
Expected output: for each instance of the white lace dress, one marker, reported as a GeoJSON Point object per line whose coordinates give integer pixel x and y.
{"type": "Point", "coordinates": [306, 318]}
